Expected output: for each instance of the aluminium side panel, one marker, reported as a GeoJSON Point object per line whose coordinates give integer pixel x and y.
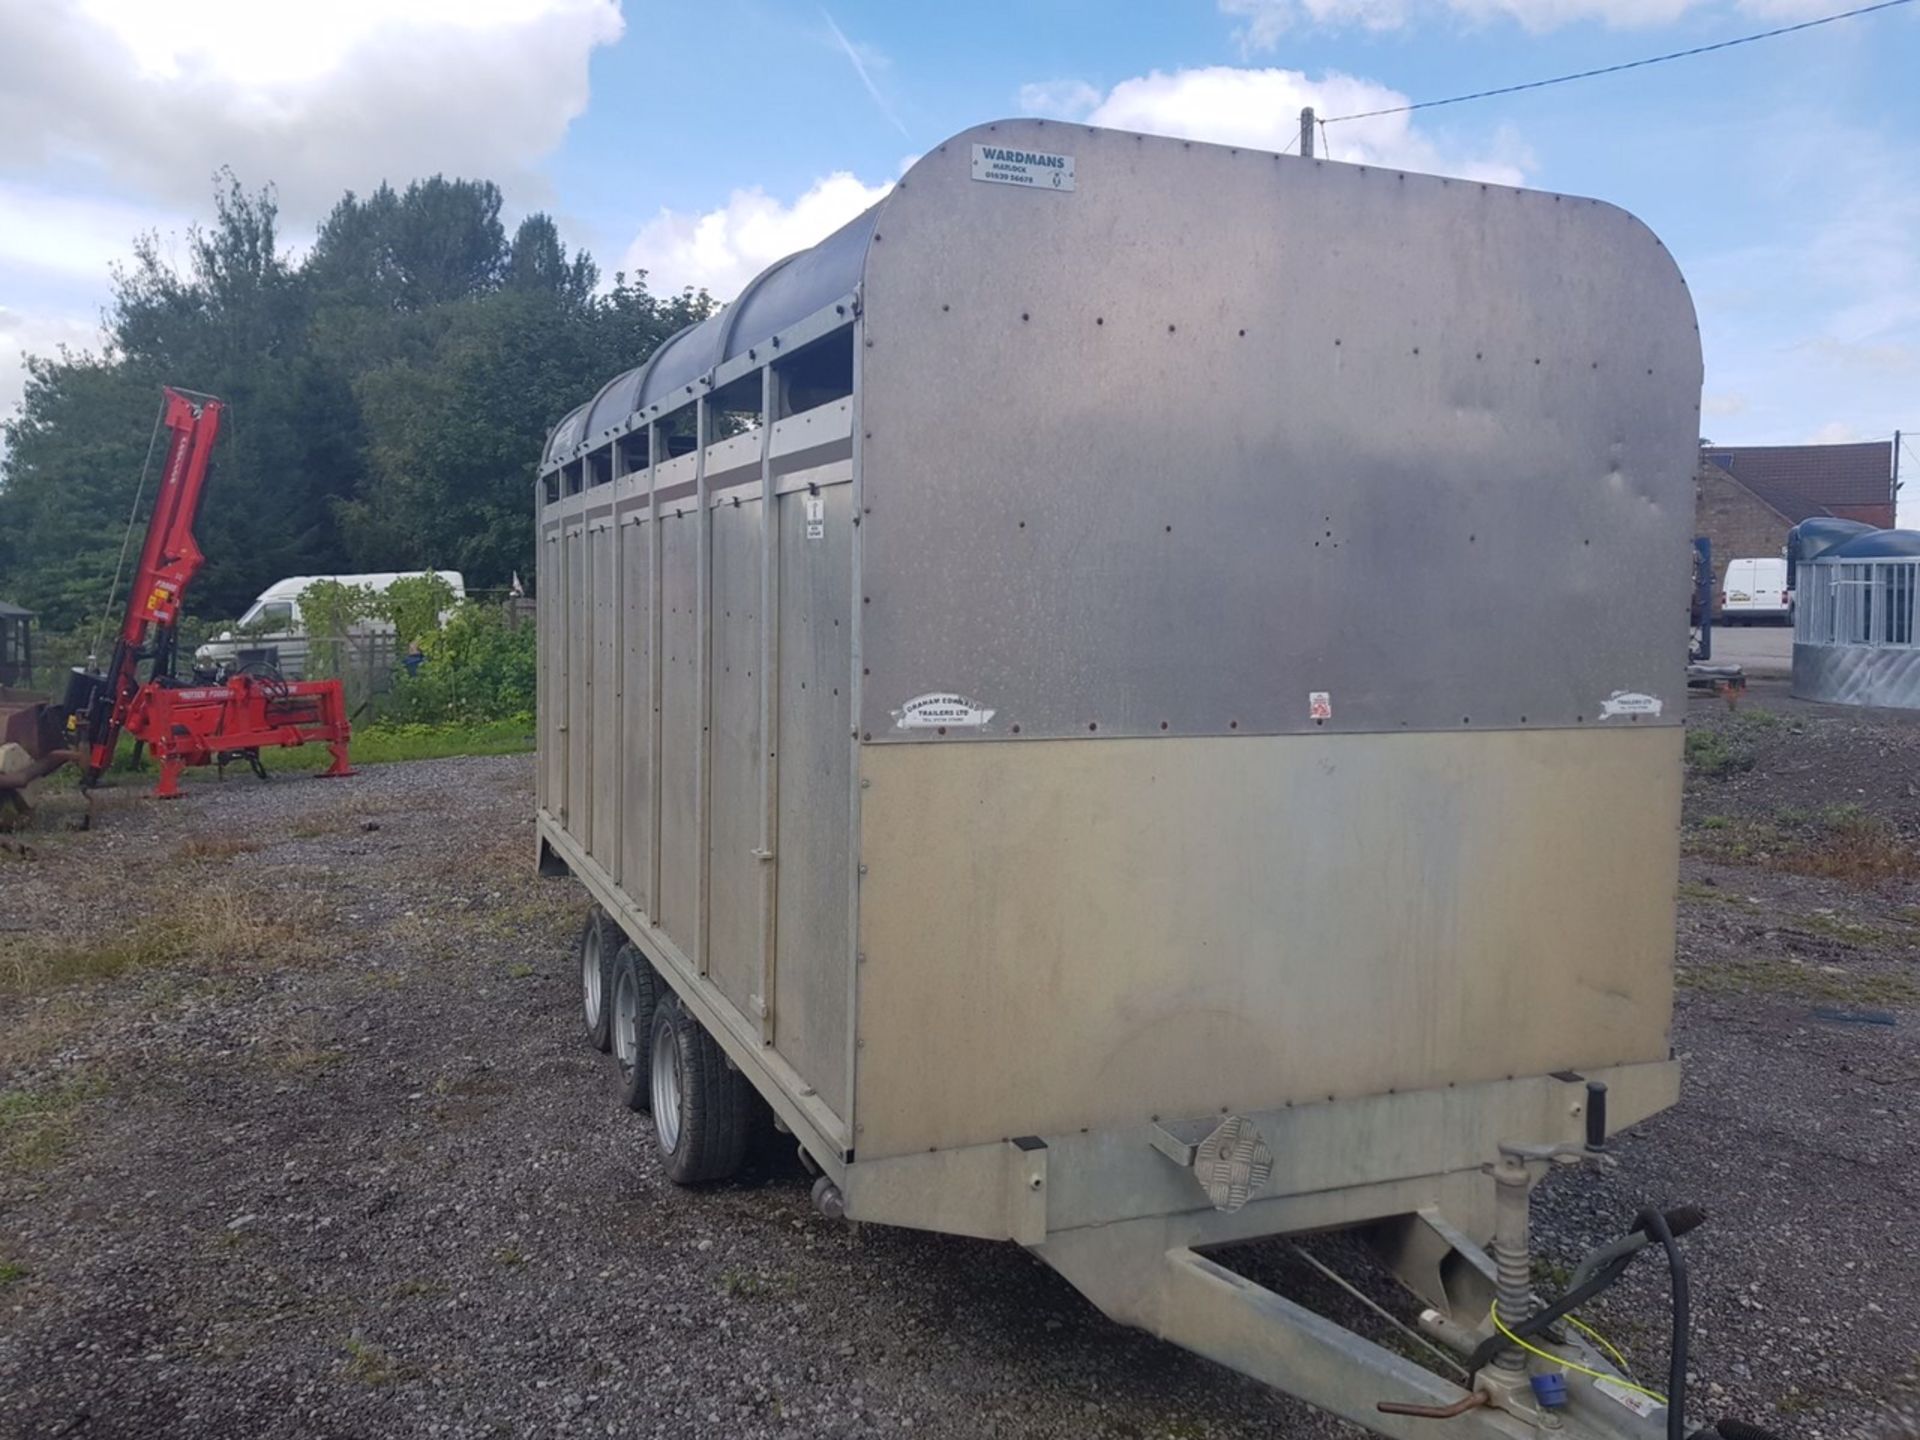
{"type": "Point", "coordinates": [813, 944]}
{"type": "Point", "coordinates": [680, 850]}
{"type": "Point", "coordinates": [734, 787]}
{"type": "Point", "coordinates": [579, 654]}
{"type": "Point", "coordinates": [603, 544]}
{"type": "Point", "coordinates": [550, 617]}
{"type": "Point", "coordinates": [636, 709]}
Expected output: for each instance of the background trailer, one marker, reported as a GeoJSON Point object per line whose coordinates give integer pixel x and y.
{"type": "Point", "coordinates": [1133, 692]}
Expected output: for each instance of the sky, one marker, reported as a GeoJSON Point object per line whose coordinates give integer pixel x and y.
{"type": "Point", "coordinates": [700, 141]}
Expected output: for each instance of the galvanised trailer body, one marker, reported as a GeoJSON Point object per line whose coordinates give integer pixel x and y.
{"type": "Point", "coordinates": [1135, 690]}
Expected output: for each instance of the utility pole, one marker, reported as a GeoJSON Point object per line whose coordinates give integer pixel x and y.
{"type": "Point", "coordinates": [1306, 132]}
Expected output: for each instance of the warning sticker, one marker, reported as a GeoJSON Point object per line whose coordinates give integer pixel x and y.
{"type": "Point", "coordinates": [1319, 705]}
{"type": "Point", "coordinates": [941, 711]}
{"type": "Point", "coordinates": [1637, 1401]}
{"type": "Point", "coordinates": [1035, 169]}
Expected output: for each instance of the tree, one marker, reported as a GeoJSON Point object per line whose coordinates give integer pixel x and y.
{"type": "Point", "coordinates": [388, 395]}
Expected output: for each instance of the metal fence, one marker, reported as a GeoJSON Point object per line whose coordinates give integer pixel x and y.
{"type": "Point", "coordinates": [1857, 602]}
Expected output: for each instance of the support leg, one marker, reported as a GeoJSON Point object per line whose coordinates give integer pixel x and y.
{"type": "Point", "coordinates": [340, 765]}
{"type": "Point", "coordinates": [169, 786]}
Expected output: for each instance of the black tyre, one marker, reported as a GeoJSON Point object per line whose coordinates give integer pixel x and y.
{"type": "Point", "coordinates": [703, 1109]}
{"type": "Point", "coordinates": [636, 995]}
{"type": "Point", "coordinates": [593, 958]}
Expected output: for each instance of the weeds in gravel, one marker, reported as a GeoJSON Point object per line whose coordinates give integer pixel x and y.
{"type": "Point", "coordinates": [1713, 754]}
{"type": "Point", "coordinates": [369, 1364]}
{"type": "Point", "coordinates": [1777, 976]}
{"type": "Point", "coordinates": [1844, 842]}
{"type": "Point", "coordinates": [1711, 894]}
{"type": "Point", "coordinates": [37, 1124]}
{"type": "Point", "coordinates": [11, 1272]}
{"type": "Point", "coordinates": [1729, 748]}
{"type": "Point", "coordinates": [758, 1284]}
{"type": "Point", "coordinates": [1849, 932]}
{"type": "Point", "coordinates": [217, 928]}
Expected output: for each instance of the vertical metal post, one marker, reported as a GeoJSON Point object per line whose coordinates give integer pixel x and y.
{"type": "Point", "coordinates": [583, 726]}
{"type": "Point", "coordinates": [769, 700]}
{"type": "Point", "coordinates": [703, 628]}
{"type": "Point", "coordinates": [565, 687]}
{"type": "Point", "coordinates": [656, 592]}
{"type": "Point", "coordinates": [856, 700]}
{"type": "Point", "coordinates": [1306, 132]}
{"type": "Point", "coordinates": [619, 547]}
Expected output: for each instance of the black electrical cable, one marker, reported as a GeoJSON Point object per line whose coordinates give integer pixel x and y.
{"type": "Point", "coordinates": [1627, 65]}
{"type": "Point", "coordinates": [1537, 1322]}
{"type": "Point", "coordinates": [1655, 1224]}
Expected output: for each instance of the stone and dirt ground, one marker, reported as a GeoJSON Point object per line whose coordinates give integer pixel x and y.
{"type": "Point", "coordinates": [299, 1136]}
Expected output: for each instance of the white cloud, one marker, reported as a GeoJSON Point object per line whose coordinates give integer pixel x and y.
{"type": "Point", "coordinates": [1264, 22]}
{"type": "Point", "coordinates": [74, 237]}
{"type": "Point", "coordinates": [1260, 109]}
{"type": "Point", "coordinates": [23, 335]}
{"type": "Point", "coordinates": [1723, 407]}
{"type": "Point", "coordinates": [722, 249]}
{"type": "Point", "coordinates": [316, 98]}
{"type": "Point", "coordinates": [1835, 432]}
{"type": "Point", "coordinates": [1059, 99]}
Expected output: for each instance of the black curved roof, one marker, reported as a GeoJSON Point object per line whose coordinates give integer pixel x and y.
{"type": "Point", "coordinates": [786, 292]}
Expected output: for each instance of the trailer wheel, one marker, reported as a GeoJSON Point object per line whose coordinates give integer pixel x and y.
{"type": "Point", "coordinates": [702, 1107]}
{"type": "Point", "coordinates": [593, 955]}
{"type": "Point", "coordinates": [636, 995]}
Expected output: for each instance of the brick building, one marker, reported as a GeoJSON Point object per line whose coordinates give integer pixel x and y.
{"type": "Point", "coordinates": [1748, 496]}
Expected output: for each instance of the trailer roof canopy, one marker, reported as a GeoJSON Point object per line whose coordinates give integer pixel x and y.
{"type": "Point", "coordinates": [786, 291]}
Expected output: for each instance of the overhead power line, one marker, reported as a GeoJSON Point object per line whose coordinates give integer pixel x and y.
{"type": "Point", "coordinates": [1616, 69]}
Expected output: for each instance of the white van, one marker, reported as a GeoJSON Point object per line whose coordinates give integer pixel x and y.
{"type": "Point", "coordinates": [272, 632]}
{"type": "Point", "coordinates": [1755, 591]}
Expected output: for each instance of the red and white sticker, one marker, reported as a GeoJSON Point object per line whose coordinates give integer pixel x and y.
{"type": "Point", "coordinates": [1319, 705]}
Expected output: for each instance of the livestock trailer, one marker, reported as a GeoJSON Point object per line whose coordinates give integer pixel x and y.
{"type": "Point", "coordinates": [969, 694]}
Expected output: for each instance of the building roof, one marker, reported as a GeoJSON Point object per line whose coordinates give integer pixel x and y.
{"type": "Point", "coordinates": [13, 612]}
{"type": "Point", "coordinates": [1805, 480]}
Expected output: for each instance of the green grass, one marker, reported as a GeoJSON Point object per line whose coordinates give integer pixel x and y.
{"type": "Point", "coordinates": [37, 1125]}
{"type": "Point", "coordinates": [757, 1284]}
{"type": "Point", "coordinates": [1715, 754]}
{"type": "Point", "coordinates": [374, 743]}
{"type": "Point", "coordinates": [370, 1365]}
{"type": "Point", "coordinates": [1842, 842]}
{"type": "Point", "coordinates": [381, 744]}
{"type": "Point", "coordinates": [1729, 749]}
{"type": "Point", "coordinates": [11, 1273]}
{"type": "Point", "coordinates": [1771, 975]}
{"type": "Point", "coordinates": [214, 927]}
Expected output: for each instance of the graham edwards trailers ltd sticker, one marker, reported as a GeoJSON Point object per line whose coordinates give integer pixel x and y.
{"type": "Point", "coordinates": [1035, 169]}
{"type": "Point", "coordinates": [942, 711]}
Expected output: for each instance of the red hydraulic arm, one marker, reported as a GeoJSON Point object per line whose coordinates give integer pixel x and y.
{"type": "Point", "coordinates": [192, 723]}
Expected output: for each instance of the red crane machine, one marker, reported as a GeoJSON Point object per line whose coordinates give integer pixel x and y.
{"type": "Point", "coordinates": [198, 721]}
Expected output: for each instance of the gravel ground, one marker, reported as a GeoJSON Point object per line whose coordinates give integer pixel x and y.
{"type": "Point", "coordinates": [318, 1149]}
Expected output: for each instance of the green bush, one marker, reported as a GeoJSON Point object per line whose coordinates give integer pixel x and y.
{"type": "Point", "coordinates": [414, 605]}
{"type": "Point", "coordinates": [478, 668]}
{"type": "Point", "coordinates": [328, 611]}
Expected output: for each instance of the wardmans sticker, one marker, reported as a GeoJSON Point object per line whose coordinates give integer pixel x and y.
{"type": "Point", "coordinates": [941, 711]}
{"type": "Point", "coordinates": [1036, 169]}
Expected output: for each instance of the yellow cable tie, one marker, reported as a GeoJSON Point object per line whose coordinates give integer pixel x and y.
{"type": "Point", "coordinates": [1493, 1313]}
